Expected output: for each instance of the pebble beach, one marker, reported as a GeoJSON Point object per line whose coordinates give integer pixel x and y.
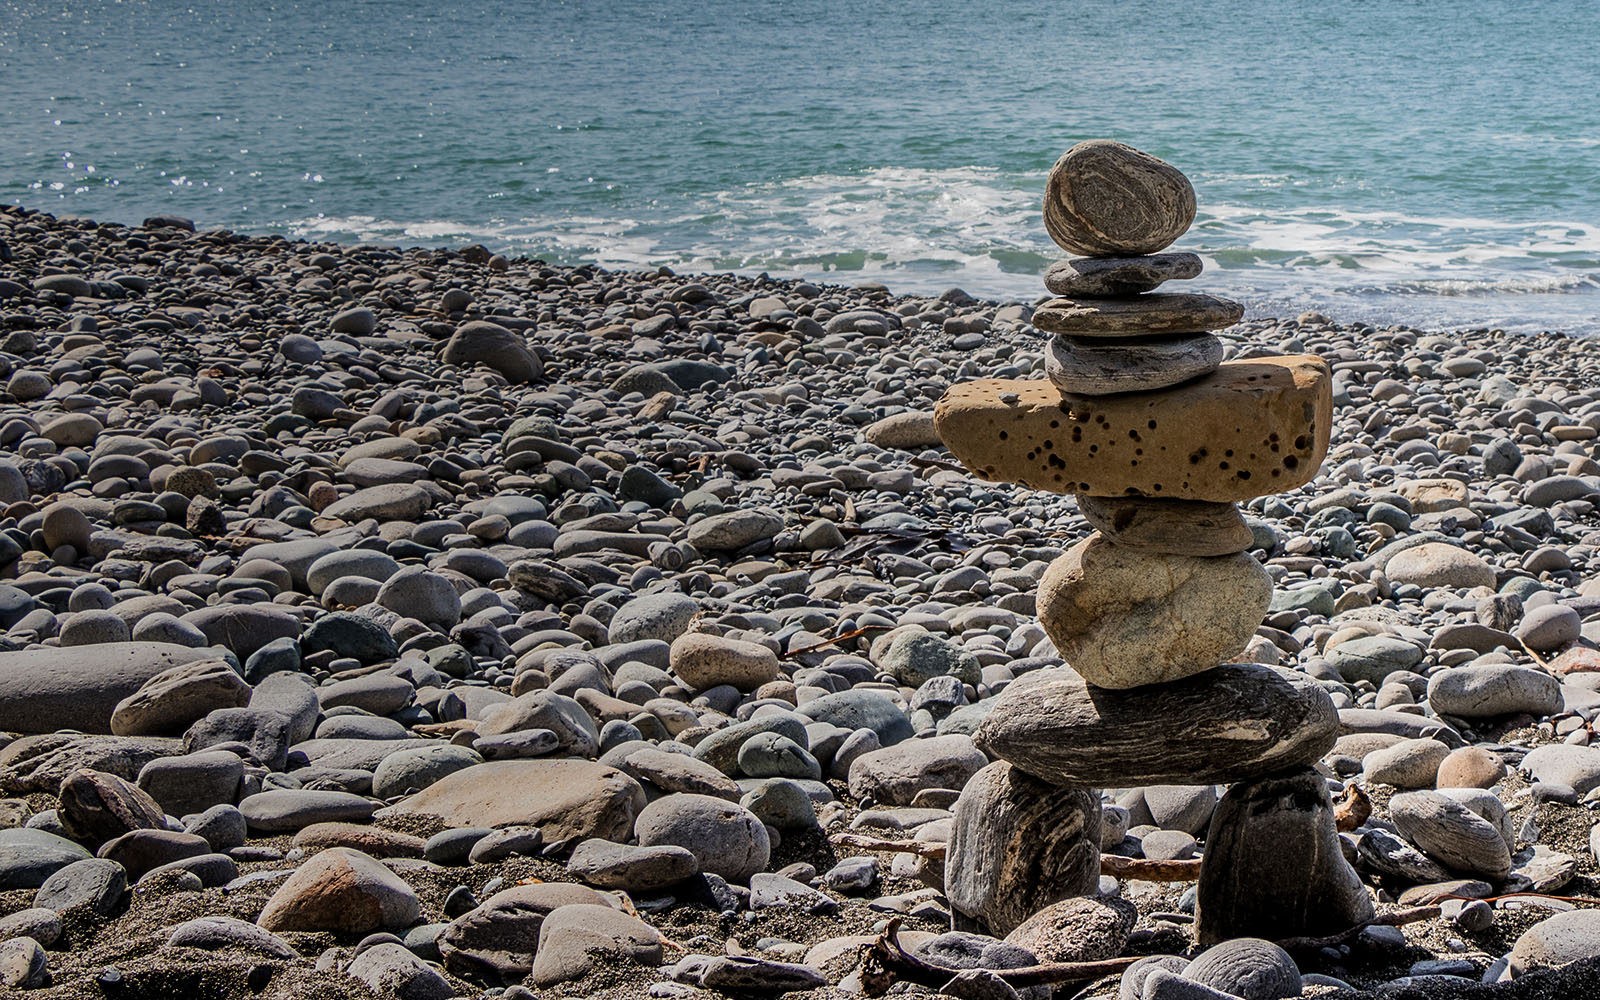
{"type": "Point", "coordinates": [429, 623]}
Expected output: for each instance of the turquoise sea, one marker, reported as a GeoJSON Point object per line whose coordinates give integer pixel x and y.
{"type": "Point", "coordinates": [1436, 163]}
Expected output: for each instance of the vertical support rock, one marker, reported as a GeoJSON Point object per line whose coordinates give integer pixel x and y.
{"type": "Point", "coordinates": [1017, 845]}
{"type": "Point", "coordinates": [1273, 867]}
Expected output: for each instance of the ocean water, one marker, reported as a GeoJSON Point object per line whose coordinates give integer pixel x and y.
{"type": "Point", "coordinates": [1433, 163]}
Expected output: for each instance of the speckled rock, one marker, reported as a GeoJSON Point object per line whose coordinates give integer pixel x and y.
{"type": "Point", "coordinates": [1247, 429]}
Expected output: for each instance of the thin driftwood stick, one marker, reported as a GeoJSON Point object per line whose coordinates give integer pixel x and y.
{"type": "Point", "coordinates": [1395, 919]}
{"type": "Point", "coordinates": [885, 962]}
{"type": "Point", "coordinates": [852, 634]}
{"type": "Point", "coordinates": [1146, 870]}
{"type": "Point", "coordinates": [1110, 864]}
{"type": "Point", "coordinates": [860, 841]}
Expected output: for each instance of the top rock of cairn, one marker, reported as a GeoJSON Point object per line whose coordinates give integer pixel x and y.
{"type": "Point", "coordinates": [1105, 199]}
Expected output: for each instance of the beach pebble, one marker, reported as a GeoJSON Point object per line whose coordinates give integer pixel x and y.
{"type": "Point", "coordinates": [1249, 968]}
{"type": "Point", "coordinates": [1490, 690]}
{"type": "Point", "coordinates": [1565, 937]}
{"type": "Point", "coordinates": [1451, 833]}
{"type": "Point", "coordinates": [725, 838]}
{"type": "Point", "coordinates": [340, 890]}
{"type": "Point", "coordinates": [576, 939]}
{"type": "Point", "coordinates": [23, 964]}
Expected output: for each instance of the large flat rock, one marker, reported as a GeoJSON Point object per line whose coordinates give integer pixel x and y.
{"type": "Point", "coordinates": [1248, 429]}
{"type": "Point", "coordinates": [565, 798]}
{"type": "Point", "coordinates": [1236, 722]}
{"type": "Point", "coordinates": [78, 687]}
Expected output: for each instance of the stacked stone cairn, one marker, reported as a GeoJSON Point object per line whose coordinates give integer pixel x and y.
{"type": "Point", "coordinates": [1159, 438]}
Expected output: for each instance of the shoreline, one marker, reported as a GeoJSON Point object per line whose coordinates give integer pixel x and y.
{"type": "Point", "coordinates": [426, 503]}
{"type": "Point", "coordinates": [743, 276]}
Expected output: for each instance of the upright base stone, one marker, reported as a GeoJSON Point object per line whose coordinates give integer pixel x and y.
{"type": "Point", "coordinates": [1017, 845]}
{"type": "Point", "coordinates": [1273, 868]}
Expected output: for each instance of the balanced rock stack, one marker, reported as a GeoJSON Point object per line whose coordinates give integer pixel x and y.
{"type": "Point", "coordinates": [1159, 438]}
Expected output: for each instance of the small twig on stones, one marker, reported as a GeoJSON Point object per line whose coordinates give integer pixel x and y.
{"type": "Point", "coordinates": [885, 962]}
{"type": "Point", "coordinates": [1395, 919]}
{"type": "Point", "coordinates": [1115, 865]}
{"type": "Point", "coordinates": [1541, 661]}
{"type": "Point", "coordinates": [852, 634]}
{"type": "Point", "coordinates": [921, 848]}
{"type": "Point", "coordinates": [1145, 870]}
{"type": "Point", "coordinates": [1581, 900]}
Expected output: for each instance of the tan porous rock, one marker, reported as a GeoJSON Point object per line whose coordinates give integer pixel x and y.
{"type": "Point", "coordinates": [1124, 618]}
{"type": "Point", "coordinates": [1248, 429]}
{"type": "Point", "coordinates": [1104, 198]}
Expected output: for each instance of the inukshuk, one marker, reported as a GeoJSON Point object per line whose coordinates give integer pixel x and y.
{"type": "Point", "coordinates": [1159, 439]}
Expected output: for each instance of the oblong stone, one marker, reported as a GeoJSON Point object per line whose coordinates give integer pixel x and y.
{"type": "Point", "coordinates": [1238, 721]}
{"type": "Point", "coordinates": [1124, 618]}
{"type": "Point", "coordinates": [1139, 315]}
{"type": "Point", "coordinates": [1018, 844]}
{"type": "Point", "coordinates": [1111, 276]}
{"type": "Point", "coordinates": [78, 687]}
{"type": "Point", "coordinates": [1104, 198]}
{"type": "Point", "coordinates": [567, 799]}
{"type": "Point", "coordinates": [1248, 429]}
{"type": "Point", "coordinates": [1179, 527]}
{"type": "Point", "coordinates": [1088, 367]}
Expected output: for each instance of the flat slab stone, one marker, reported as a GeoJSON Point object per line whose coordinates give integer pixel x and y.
{"type": "Point", "coordinates": [1112, 276]}
{"type": "Point", "coordinates": [1248, 429]}
{"type": "Point", "coordinates": [1235, 722]}
{"type": "Point", "coordinates": [1104, 367]}
{"type": "Point", "coordinates": [565, 798]}
{"type": "Point", "coordinates": [78, 687]}
{"type": "Point", "coordinates": [1138, 315]}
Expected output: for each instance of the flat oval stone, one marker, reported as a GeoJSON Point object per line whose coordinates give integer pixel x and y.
{"type": "Point", "coordinates": [1105, 198]}
{"type": "Point", "coordinates": [1097, 277]}
{"type": "Point", "coordinates": [1158, 312]}
{"type": "Point", "coordinates": [1235, 722]}
{"type": "Point", "coordinates": [1249, 428]}
{"type": "Point", "coordinates": [1088, 367]}
{"type": "Point", "coordinates": [1178, 527]}
{"type": "Point", "coordinates": [1451, 834]}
